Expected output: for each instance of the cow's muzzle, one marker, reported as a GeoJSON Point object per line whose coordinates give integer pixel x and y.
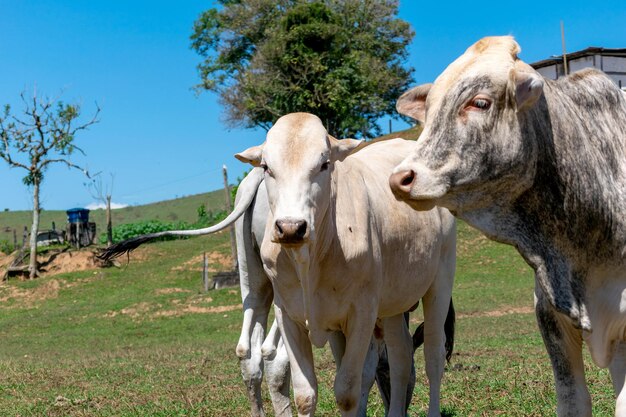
{"type": "Point", "coordinates": [401, 184]}
{"type": "Point", "coordinates": [291, 231]}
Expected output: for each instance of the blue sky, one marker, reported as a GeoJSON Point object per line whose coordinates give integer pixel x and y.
{"type": "Point", "coordinates": [159, 138]}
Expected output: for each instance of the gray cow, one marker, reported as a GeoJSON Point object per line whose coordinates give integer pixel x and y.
{"type": "Point", "coordinates": [540, 165]}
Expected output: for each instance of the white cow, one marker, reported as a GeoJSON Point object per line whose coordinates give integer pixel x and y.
{"type": "Point", "coordinates": [540, 165]}
{"type": "Point", "coordinates": [262, 355]}
{"type": "Point", "coordinates": [342, 253]}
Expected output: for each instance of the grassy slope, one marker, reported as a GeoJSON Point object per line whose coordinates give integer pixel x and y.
{"type": "Point", "coordinates": [104, 342]}
{"type": "Point", "coordinates": [179, 209]}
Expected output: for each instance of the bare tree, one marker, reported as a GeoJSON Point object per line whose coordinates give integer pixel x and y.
{"type": "Point", "coordinates": [43, 134]}
{"type": "Point", "coordinates": [102, 193]}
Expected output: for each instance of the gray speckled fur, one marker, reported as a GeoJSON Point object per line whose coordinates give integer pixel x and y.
{"type": "Point", "coordinates": [551, 181]}
{"type": "Point", "coordinates": [561, 197]}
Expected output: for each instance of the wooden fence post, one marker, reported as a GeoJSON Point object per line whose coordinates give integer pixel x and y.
{"type": "Point", "coordinates": [205, 273]}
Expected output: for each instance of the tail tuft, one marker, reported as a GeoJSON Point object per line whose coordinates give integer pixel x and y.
{"type": "Point", "coordinates": [125, 246]}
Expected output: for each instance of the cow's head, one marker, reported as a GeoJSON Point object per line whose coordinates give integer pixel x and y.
{"type": "Point", "coordinates": [472, 149]}
{"type": "Point", "coordinates": [298, 157]}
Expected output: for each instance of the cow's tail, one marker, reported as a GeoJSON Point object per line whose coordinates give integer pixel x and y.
{"type": "Point", "coordinates": [448, 327]}
{"type": "Point", "coordinates": [247, 191]}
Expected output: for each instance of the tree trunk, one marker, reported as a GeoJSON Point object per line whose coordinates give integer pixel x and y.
{"type": "Point", "coordinates": [109, 224]}
{"type": "Point", "coordinates": [32, 266]}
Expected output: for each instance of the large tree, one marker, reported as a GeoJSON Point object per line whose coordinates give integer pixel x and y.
{"type": "Point", "coordinates": [343, 60]}
{"type": "Point", "coordinates": [41, 135]}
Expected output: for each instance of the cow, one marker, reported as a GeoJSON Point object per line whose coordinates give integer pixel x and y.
{"type": "Point", "coordinates": [540, 165]}
{"type": "Point", "coordinates": [262, 354]}
{"type": "Point", "coordinates": [343, 255]}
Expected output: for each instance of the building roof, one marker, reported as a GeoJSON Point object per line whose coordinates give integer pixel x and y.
{"type": "Point", "coordinates": [592, 50]}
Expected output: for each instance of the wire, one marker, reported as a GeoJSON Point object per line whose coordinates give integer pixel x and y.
{"type": "Point", "coordinates": [143, 191]}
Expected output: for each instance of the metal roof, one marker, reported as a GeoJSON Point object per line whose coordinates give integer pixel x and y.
{"type": "Point", "coordinates": [592, 50]}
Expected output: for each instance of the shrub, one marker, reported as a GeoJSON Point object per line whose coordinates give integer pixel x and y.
{"type": "Point", "coordinates": [130, 230]}
{"type": "Point", "coordinates": [6, 246]}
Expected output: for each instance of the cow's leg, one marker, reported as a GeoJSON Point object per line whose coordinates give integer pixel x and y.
{"type": "Point", "coordinates": [349, 374]}
{"type": "Point", "coordinates": [271, 341]}
{"type": "Point", "coordinates": [564, 345]}
{"type": "Point", "coordinates": [618, 375]}
{"type": "Point", "coordinates": [400, 354]}
{"type": "Point", "coordinates": [252, 371]}
{"type": "Point", "coordinates": [298, 346]}
{"type": "Point", "coordinates": [256, 296]}
{"type": "Point", "coordinates": [277, 376]}
{"type": "Point", "coordinates": [436, 303]}
{"type": "Point", "coordinates": [337, 343]}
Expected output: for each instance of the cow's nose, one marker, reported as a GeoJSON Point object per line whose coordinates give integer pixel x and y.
{"type": "Point", "coordinates": [290, 230]}
{"type": "Point", "coordinates": [402, 182]}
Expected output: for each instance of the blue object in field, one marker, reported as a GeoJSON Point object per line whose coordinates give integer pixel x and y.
{"type": "Point", "coordinates": [78, 215]}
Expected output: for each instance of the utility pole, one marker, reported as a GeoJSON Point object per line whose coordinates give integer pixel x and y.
{"type": "Point", "coordinates": [565, 69]}
{"type": "Point", "coordinates": [229, 206]}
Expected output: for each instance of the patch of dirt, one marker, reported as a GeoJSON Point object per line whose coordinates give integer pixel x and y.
{"type": "Point", "coordinates": [70, 261]}
{"type": "Point", "coordinates": [498, 313]}
{"type": "Point", "coordinates": [28, 297]}
{"type": "Point", "coordinates": [134, 311]}
{"type": "Point", "coordinates": [162, 291]}
{"type": "Point", "coordinates": [197, 310]}
{"type": "Point", "coordinates": [147, 311]}
{"type": "Point", "coordinates": [504, 311]}
{"type": "Point", "coordinates": [224, 263]}
{"type": "Point", "coordinates": [5, 260]}
{"type": "Point", "coordinates": [59, 261]}
{"type": "Point", "coordinates": [470, 245]}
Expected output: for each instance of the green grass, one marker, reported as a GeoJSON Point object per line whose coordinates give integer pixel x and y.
{"type": "Point", "coordinates": [179, 209]}
{"type": "Point", "coordinates": [125, 342]}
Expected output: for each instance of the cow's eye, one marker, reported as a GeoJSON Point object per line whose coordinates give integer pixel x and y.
{"type": "Point", "coordinates": [479, 103]}
{"type": "Point", "coordinates": [325, 166]}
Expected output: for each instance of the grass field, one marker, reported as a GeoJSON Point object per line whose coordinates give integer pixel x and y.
{"type": "Point", "coordinates": [144, 340]}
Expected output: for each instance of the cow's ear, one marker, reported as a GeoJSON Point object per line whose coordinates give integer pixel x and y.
{"type": "Point", "coordinates": [340, 148]}
{"type": "Point", "coordinates": [251, 155]}
{"type": "Point", "coordinates": [528, 86]}
{"type": "Point", "coordinates": [413, 102]}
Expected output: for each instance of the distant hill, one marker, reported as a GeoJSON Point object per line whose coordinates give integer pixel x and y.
{"type": "Point", "coordinates": [411, 134]}
{"type": "Point", "coordinates": [180, 209]}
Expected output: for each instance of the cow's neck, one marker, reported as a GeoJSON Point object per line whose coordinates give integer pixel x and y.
{"type": "Point", "coordinates": [579, 192]}
{"type": "Point", "coordinates": [573, 216]}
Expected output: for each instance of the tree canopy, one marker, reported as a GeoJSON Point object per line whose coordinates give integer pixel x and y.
{"type": "Point", "coordinates": [342, 60]}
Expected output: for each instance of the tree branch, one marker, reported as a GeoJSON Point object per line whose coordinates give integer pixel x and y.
{"type": "Point", "coordinates": [47, 162]}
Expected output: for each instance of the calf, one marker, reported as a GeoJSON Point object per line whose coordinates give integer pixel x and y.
{"type": "Point", "coordinates": [342, 254]}
{"type": "Point", "coordinates": [259, 354]}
